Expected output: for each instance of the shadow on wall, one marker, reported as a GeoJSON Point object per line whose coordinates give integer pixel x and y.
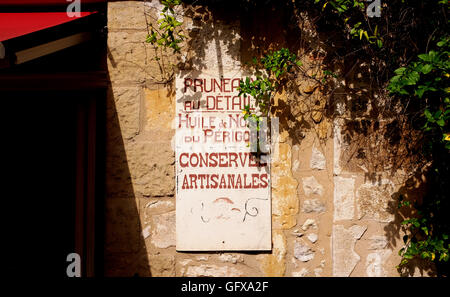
{"type": "Point", "coordinates": [236, 27]}
{"type": "Point", "coordinates": [125, 251]}
{"type": "Point", "coordinates": [413, 190]}
{"type": "Point", "coordinates": [239, 35]}
{"type": "Point", "coordinates": [205, 24]}
{"type": "Point", "coordinates": [258, 38]}
{"type": "Point", "coordinates": [387, 153]}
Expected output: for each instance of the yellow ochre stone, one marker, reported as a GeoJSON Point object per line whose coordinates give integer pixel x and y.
{"type": "Point", "coordinates": [159, 107]}
{"type": "Point", "coordinates": [274, 264]}
{"type": "Point", "coordinates": [284, 190]}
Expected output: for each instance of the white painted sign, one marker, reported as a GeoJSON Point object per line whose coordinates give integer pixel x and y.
{"type": "Point", "coordinates": [222, 190]}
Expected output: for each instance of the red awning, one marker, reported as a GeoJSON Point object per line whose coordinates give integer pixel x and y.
{"type": "Point", "coordinates": [18, 24]}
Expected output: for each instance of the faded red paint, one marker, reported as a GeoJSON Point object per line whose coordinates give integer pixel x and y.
{"type": "Point", "coordinates": [225, 199]}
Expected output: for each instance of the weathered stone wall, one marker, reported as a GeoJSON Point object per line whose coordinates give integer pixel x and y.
{"type": "Point", "coordinates": [330, 217]}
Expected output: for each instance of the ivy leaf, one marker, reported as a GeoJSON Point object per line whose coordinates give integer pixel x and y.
{"type": "Point", "coordinates": [380, 43]}
{"type": "Point", "coordinates": [441, 43]}
{"type": "Point", "coordinates": [427, 68]}
{"type": "Point", "coordinates": [414, 76]}
{"type": "Point", "coordinates": [424, 57]}
{"type": "Point", "coordinates": [437, 114]}
{"type": "Point", "coordinates": [400, 70]}
{"type": "Point", "coordinates": [428, 115]}
{"type": "Point", "coordinates": [419, 92]}
{"type": "Point", "coordinates": [367, 36]}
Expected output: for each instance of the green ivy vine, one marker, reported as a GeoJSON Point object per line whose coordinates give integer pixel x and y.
{"type": "Point", "coordinates": [271, 70]}
{"type": "Point", "coordinates": [353, 13]}
{"type": "Point", "coordinates": [168, 34]}
{"type": "Point", "coordinates": [426, 81]}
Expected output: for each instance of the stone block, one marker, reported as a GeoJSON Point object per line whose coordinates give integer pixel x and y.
{"type": "Point", "coordinates": [118, 180]}
{"type": "Point", "coordinates": [126, 15]}
{"type": "Point", "coordinates": [127, 46]}
{"type": "Point", "coordinates": [344, 198]}
{"type": "Point", "coordinates": [159, 111]}
{"type": "Point", "coordinates": [217, 46]}
{"type": "Point", "coordinates": [378, 242]}
{"type": "Point", "coordinates": [152, 168]}
{"type": "Point", "coordinates": [122, 230]}
{"type": "Point", "coordinates": [210, 270]}
{"type": "Point", "coordinates": [274, 264]}
{"type": "Point", "coordinates": [309, 223]}
{"type": "Point", "coordinates": [301, 273]}
{"type": "Point", "coordinates": [162, 265]}
{"type": "Point", "coordinates": [375, 261]}
{"type": "Point", "coordinates": [318, 160]}
{"type": "Point", "coordinates": [231, 258]}
{"type": "Point", "coordinates": [284, 189]}
{"type": "Point", "coordinates": [163, 230]}
{"type": "Point", "coordinates": [375, 202]}
{"type": "Point", "coordinates": [125, 72]}
{"type": "Point", "coordinates": [302, 251]}
{"type": "Point", "coordinates": [313, 237]}
{"type": "Point", "coordinates": [313, 205]}
{"type": "Point", "coordinates": [311, 186]}
{"type": "Point", "coordinates": [123, 111]}
{"type": "Point", "coordinates": [344, 256]}
{"type": "Point", "coordinates": [154, 206]}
